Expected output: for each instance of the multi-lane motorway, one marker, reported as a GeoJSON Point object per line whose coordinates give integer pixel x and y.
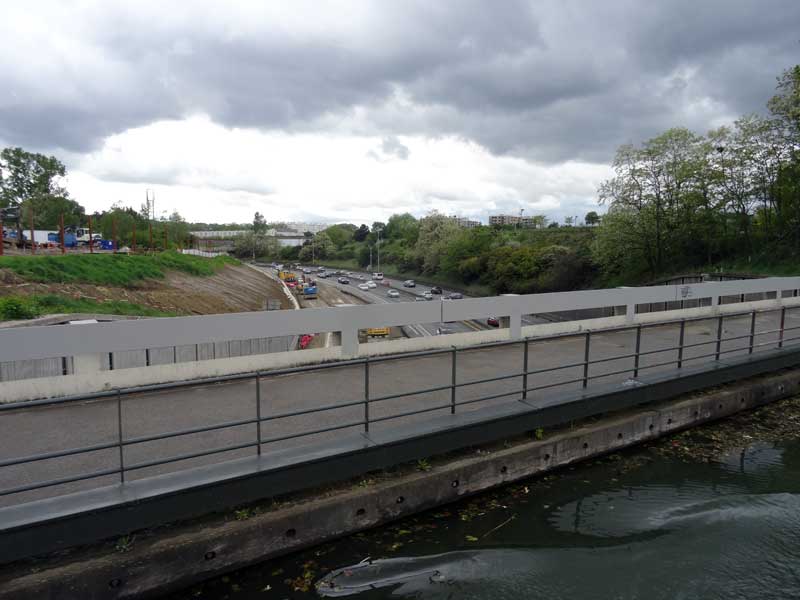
{"type": "Point", "coordinates": [379, 295]}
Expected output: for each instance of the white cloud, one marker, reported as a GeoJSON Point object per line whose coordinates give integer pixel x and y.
{"type": "Point", "coordinates": [212, 173]}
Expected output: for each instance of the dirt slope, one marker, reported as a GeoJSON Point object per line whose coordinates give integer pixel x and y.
{"type": "Point", "coordinates": [232, 289]}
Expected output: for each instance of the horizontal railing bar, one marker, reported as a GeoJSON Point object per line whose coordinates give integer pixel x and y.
{"type": "Point", "coordinates": [618, 357]}
{"type": "Point", "coordinates": [661, 364]}
{"type": "Point", "coordinates": [559, 368]}
{"type": "Point", "coordinates": [305, 411]}
{"type": "Point", "coordinates": [53, 482]}
{"type": "Point", "coordinates": [489, 380]}
{"type": "Point", "coordinates": [410, 413]}
{"type": "Point", "coordinates": [182, 432]}
{"type": "Point", "coordinates": [601, 375]}
{"type": "Point", "coordinates": [51, 455]}
{"type": "Point", "coordinates": [313, 432]}
{"type": "Point", "coordinates": [491, 397]}
{"type": "Point", "coordinates": [407, 394]}
{"type": "Point", "coordinates": [549, 385]}
{"type": "Point", "coordinates": [180, 457]}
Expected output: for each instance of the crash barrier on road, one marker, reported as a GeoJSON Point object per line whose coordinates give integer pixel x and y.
{"type": "Point", "coordinates": [83, 353]}
{"type": "Point", "coordinates": [202, 253]}
{"type": "Point", "coordinates": [756, 342]}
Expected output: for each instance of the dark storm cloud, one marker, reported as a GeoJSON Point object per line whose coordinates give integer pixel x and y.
{"type": "Point", "coordinates": [549, 81]}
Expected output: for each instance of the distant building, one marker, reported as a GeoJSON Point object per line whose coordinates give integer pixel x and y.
{"type": "Point", "coordinates": [514, 220]}
{"type": "Point", "coordinates": [465, 222]}
{"type": "Point", "coordinates": [303, 227]}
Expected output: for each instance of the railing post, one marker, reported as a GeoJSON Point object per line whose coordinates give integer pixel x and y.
{"type": "Point", "coordinates": [680, 344]}
{"type": "Point", "coordinates": [752, 330]}
{"type": "Point", "coordinates": [525, 371]}
{"type": "Point", "coordinates": [258, 411]}
{"type": "Point", "coordinates": [783, 321]}
{"type": "Point", "coordinates": [453, 382]}
{"type": "Point", "coordinates": [719, 337]}
{"type": "Point", "coordinates": [119, 438]}
{"type": "Point", "coordinates": [586, 359]}
{"type": "Point", "coordinates": [366, 395]}
{"type": "Point", "coordinates": [638, 348]}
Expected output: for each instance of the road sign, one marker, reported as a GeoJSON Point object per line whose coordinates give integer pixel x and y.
{"type": "Point", "coordinates": [10, 213]}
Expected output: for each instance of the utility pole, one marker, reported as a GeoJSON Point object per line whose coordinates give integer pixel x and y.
{"type": "Point", "coordinates": [61, 233]}
{"type": "Point", "coordinates": [33, 242]}
{"type": "Point", "coordinates": [379, 249]}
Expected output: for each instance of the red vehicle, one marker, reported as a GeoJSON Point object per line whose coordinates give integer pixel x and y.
{"type": "Point", "coordinates": [493, 322]}
{"type": "Point", "coordinates": [305, 340]}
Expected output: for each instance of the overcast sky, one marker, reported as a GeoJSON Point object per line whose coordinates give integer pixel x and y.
{"type": "Point", "coordinates": [350, 111]}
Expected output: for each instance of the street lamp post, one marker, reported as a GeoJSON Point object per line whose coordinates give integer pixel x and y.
{"type": "Point", "coordinates": [379, 250]}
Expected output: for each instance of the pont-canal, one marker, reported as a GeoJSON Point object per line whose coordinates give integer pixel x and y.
{"type": "Point", "coordinates": [713, 513]}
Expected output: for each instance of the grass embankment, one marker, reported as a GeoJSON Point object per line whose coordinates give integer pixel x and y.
{"type": "Point", "coordinates": [474, 289]}
{"type": "Point", "coordinates": [29, 307]}
{"type": "Point", "coordinates": [97, 269]}
{"type": "Point", "coordinates": [110, 269]}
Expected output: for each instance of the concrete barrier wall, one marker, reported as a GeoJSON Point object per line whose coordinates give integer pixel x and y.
{"type": "Point", "coordinates": [50, 351]}
{"type": "Point", "coordinates": [76, 384]}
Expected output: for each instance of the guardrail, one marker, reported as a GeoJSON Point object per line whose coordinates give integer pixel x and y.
{"type": "Point", "coordinates": [366, 402]}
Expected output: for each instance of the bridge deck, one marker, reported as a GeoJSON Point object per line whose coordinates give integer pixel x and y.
{"type": "Point", "coordinates": [31, 431]}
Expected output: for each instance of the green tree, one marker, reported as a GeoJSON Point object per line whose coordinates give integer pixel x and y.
{"type": "Point", "coordinates": [785, 105]}
{"type": "Point", "coordinates": [25, 176]}
{"type": "Point", "coordinates": [592, 218]}
{"type": "Point", "coordinates": [259, 224]}
{"type": "Point", "coordinates": [402, 227]}
{"type": "Point", "coordinates": [360, 234]}
{"type": "Point", "coordinates": [436, 231]}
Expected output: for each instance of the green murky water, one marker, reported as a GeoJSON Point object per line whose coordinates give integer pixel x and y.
{"type": "Point", "coordinates": [631, 526]}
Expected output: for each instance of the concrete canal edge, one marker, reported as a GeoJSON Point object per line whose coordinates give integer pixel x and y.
{"type": "Point", "coordinates": [180, 555]}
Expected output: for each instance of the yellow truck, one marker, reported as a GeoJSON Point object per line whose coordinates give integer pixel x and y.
{"type": "Point", "coordinates": [288, 278]}
{"type": "Point", "coordinates": [378, 332]}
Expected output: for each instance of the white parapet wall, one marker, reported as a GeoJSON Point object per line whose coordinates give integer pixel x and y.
{"type": "Point", "coordinates": [77, 384]}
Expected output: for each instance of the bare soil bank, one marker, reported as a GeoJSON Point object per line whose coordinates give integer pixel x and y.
{"type": "Point", "coordinates": [232, 289]}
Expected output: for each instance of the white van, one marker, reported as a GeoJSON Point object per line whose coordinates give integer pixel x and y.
{"type": "Point", "coordinates": [377, 276]}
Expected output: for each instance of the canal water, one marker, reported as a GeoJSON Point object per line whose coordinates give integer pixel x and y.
{"type": "Point", "coordinates": [632, 525]}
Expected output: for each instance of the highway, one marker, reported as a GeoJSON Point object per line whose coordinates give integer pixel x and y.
{"type": "Point", "coordinates": [407, 294]}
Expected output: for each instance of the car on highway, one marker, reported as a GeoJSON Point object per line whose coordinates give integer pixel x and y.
{"type": "Point", "coordinates": [443, 330]}
{"type": "Point", "coordinates": [409, 283]}
{"type": "Point", "coordinates": [377, 276]}
{"type": "Point", "coordinates": [455, 296]}
{"type": "Point", "coordinates": [436, 290]}
{"type": "Point", "coordinates": [493, 322]}
{"type": "Point", "coordinates": [420, 299]}
{"type": "Point", "coordinates": [363, 286]}
{"type": "Point", "coordinates": [343, 280]}
{"type": "Point", "coordinates": [427, 295]}
{"type": "Point", "coordinates": [371, 285]}
{"type": "Point", "coordinates": [393, 294]}
{"type": "Point", "coordinates": [307, 271]}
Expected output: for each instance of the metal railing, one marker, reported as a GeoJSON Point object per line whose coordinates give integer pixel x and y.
{"type": "Point", "coordinates": [368, 400]}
